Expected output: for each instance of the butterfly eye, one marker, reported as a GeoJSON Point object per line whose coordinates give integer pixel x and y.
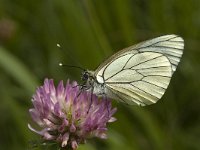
{"type": "Point", "coordinates": [85, 76]}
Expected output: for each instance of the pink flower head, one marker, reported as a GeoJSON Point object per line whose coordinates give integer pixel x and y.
{"type": "Point", "coordinates": [69, 119]}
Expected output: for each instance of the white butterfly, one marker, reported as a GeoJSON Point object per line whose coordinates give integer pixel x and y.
{"type": "Point", "coordinates": [139, 74]}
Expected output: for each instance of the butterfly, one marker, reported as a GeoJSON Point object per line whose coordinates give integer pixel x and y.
{"type": "Point", "coordinates": [139, 74]}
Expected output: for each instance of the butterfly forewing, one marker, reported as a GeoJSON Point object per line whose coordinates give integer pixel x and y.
{"type": "Point", "coordinates": [169, 45]}
{"type": "Point", "coordinates": [141, 73]}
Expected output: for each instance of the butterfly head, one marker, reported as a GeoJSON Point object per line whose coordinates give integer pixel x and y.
{"type": "Point", "coordinates": [87, 75]}
{"type": "Point", "coordinates": [88, 79]}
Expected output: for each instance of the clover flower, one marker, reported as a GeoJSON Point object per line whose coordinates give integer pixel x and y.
{"type": "Point", "coordinates": [69, 119]}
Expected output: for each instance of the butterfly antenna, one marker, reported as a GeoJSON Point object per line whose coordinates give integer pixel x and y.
{"type": "Point", "coordinates": [72, 66]}
{"type": "Point", "coordinates": [58, 45]}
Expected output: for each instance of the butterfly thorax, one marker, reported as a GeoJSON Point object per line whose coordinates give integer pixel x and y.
{"type": "Point", "coordinates": [91, 83]}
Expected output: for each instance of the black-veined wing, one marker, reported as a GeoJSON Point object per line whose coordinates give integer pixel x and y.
{"type": "Point", "coordinates": [141, 73]}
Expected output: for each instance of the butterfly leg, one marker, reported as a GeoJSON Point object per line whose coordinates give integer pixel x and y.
{"type": "Point", "coordinates": [91, 99]}
{"type": "Point", "coordinates": [107, 105]}
{"type": "Point", "coordinates": [107, 101]}
{"type": "Point", "coordinates": [82, 87]}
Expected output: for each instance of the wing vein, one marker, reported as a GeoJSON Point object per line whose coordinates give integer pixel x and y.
{"type": "Point", "coordinates": [153, 84]}
{"type": "Point", "coordinates": [154, 43]}
{"type": "Point", "coordinates": [113, 90]}
{"type": "Point", "coordinates": [144, 91]}
{"type": "Point", "coordinates": [111, 62]}
{"type": "Point", "coordinates": [145, 61]}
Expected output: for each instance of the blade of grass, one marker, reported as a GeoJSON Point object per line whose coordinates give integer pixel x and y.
{"type": "Point", "coordinates": [123, 12]}
{"type": "Point", "coordinates": [17, 70]}
{"type": "Point", "coordinates": [97, 28]}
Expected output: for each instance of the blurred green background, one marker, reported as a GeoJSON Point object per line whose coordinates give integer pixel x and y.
{"type": "Point", "coordinates": [89, 31]}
